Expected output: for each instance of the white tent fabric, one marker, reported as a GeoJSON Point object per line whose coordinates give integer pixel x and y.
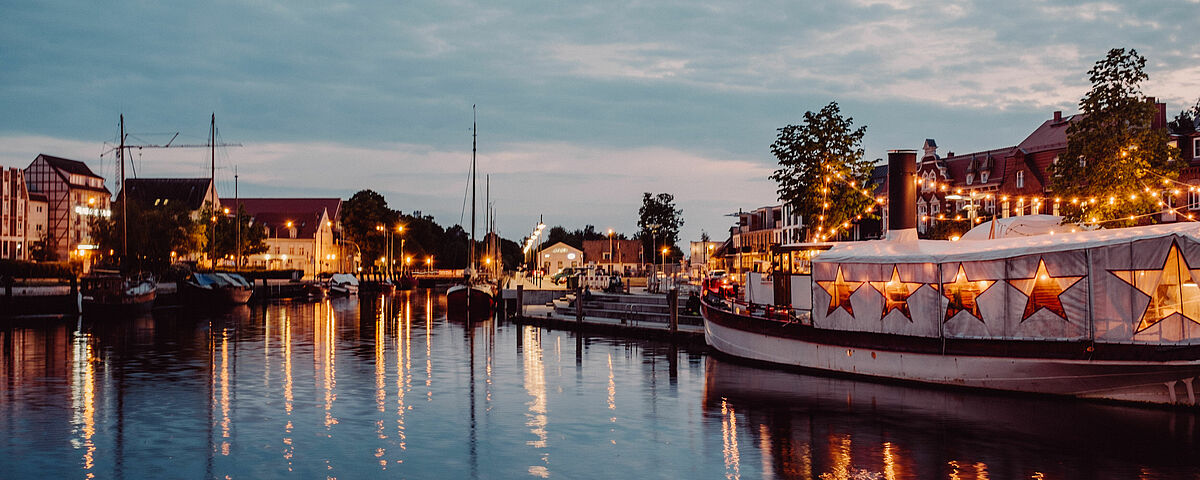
{"type": "Point", "coordinates": [1132, 285]}
{"type": "Point", "coordinates": [1021, 226]}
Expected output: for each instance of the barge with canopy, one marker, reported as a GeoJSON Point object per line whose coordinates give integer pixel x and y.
{"type": "Point", "coordinates": [1105, 314]}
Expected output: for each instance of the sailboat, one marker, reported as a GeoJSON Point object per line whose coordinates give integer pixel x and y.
{"type": "Point", "coordinates": [212, 288]}
{"type": "Point", "coordinates": [118, 291]}
{"type": "Point", "coordinates": [474, 298]}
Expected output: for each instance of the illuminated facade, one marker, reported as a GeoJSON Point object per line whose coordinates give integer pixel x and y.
{"type": "Point", "coordinates": [556, 257]}
{"type": "Point", "coordinates": [301, 233]}
{"type": "Point", "coordinates": [14, 214]}
{"type": "Point", "coordinates": [74, 196]}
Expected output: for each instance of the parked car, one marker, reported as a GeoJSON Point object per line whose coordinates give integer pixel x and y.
{"type": "Point", "coordinates": [564, 274]}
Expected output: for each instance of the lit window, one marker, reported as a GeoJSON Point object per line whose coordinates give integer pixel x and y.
{"type": "Point", "coordinates": [1194, 196]}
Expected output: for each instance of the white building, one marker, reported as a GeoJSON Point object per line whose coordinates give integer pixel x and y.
{"type": "Point", "coordinates": [556, 257]}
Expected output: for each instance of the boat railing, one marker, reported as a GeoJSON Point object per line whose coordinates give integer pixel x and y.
{"type": "Point", "coordinates": [778, 313]}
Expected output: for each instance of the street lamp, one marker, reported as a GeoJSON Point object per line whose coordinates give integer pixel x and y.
{"type": "Point", "coordinates": [610, 250]}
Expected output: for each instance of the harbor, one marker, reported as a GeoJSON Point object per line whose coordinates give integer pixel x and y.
{"type": "Point", "coordinates": [387, 386]}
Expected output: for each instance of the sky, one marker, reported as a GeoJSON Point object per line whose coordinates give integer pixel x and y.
{"type": "Point", "coordinates": [581, 106]}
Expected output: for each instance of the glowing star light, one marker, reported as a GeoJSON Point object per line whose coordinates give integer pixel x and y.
{"type": "Point", "coordinates": [839, 292]}
{"type": "Point", "coordinates": [1169, 288]}
{"type": "Point", "coordinates": [1043, 291]}
{"type": "Point", "coordinates": [964, 294]}
{"type": "Point", "coordinates": [895, 294]}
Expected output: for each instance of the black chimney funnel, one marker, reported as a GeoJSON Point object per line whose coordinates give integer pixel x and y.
{"type": "Point", "coordinates": [902, 194]}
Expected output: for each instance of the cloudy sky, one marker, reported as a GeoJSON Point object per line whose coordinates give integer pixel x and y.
{"type": "Point", "coordinates": [582, 105]}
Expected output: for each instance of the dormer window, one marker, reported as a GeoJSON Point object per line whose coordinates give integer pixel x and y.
{"type": "Point", "coordinates": [983, 177]}
{"type": "Point", "coordinates": [1021, 179]}
{"type": "Point", "coordinates": [970, 178]}
{"type": "Point", "coordinates": [1196, 148]}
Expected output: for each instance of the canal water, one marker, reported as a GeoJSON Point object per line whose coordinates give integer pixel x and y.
{"type": "Point", "coordinates": [388, 388]}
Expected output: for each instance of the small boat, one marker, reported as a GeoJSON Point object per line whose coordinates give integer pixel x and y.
{"type": "Point", "coordinates": [110, 292]}
{"type": "Point", "coordinates": [343, 284]}
{"type": "Point", "coordinates": [316, 291]}
{"type": "Point", "coordinates": [216, 289]}
{"type": "Point", "coordinates": [376, 285]}
{"type": "Point", "coordinates": [470, 301]}
{"type": "Point", "coordinates": [406, 282]}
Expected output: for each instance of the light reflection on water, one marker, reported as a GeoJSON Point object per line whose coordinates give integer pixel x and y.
{"type": "Point", "coordinates": [352, 388]}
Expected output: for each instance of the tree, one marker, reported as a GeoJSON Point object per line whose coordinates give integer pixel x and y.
{"type": "Point", "coordinates": [1115, 158]}
{"type": "Point", "coordinates": [659, 223]}
{"type": "Point", "coordinates": [253, 237]}
{"type": "Point", "coordinates": [1185, 122]}
{"type": "Point", "coordinates": [361, 214]}
{"type": "Point", "coordinates": [155, 232]}
{"type": "Point", "coordinates": [822, 174]}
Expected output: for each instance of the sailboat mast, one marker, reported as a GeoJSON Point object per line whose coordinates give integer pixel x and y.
{"type": "Point", "coordinates": [487, 219]}
{"type": "Point", "coordinates": [212, 185]}
{"type": "Point", "coordinates": [124, 196]}
{"type": "Point", "coordinates": [237, 215]}
{"type": "Point", "coordinates": [474, 136]}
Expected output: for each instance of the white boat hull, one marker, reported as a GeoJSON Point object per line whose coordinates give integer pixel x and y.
{"type": "Point", "coordinates": [1172, 382]}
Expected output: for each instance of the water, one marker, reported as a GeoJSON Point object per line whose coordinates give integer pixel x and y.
{"type": "Point", "coordinates": [388, 388]}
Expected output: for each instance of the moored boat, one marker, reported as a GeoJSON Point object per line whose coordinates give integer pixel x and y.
{"type": "Point", "coordinates": [343, 284]}
{"type": "Point", "coordinates": [1107, 314]}
{"type": "Point", "coordinates": [216, 289]}
{"type": "Point", "coordinates": [467, 301]}
{"type": "Point", "coordinates": [110, 292]}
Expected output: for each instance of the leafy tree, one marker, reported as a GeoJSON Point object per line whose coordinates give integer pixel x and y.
{"type": "Point", "coordinates": [361, 215]}
{"type": "Point", "coordinates": [574, 238]}
{"type": "Point", "coordinates": [253, 237]}
{"type": "Point", "coordinates": [822, 173]}
{"type": "Point", "coordinates": [1185, 122]}
{"type": "Point", "coordinates": [155, 232]}
{"type": "Point", "coordinates": [1113, 152]}
{"type": "Point", "coordinates": [659, 223]}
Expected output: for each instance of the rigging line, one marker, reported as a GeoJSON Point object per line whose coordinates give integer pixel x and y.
{"type": "Point", "coordinates": [463, 213]}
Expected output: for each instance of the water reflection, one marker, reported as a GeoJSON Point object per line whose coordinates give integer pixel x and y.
{"type": "Point", "coordinates": [831, 428]}
{"type": "Point", "coordinates": [335, 389]}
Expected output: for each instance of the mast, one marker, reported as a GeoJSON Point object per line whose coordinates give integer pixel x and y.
{"type": "Point", "coordinates": [471, 246]}
{"type": "Point", "coordinates": [212, 193]}
{"type": "Point", "coordinates": [237, 237]}
{"type": "Point", "coordinates": [124, 196]}
{"type": "Point", "coordinates": [487, 220]}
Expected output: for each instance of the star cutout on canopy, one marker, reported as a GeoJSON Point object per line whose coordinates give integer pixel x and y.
{"type": "Point", "coordinates": [1168, 287]}
{"type": "Point", "coordinates": [895, 293]}
{"type": "Point", "coordinates": [963, 294]}
{"type": "Point", "coordinates": [1043, 291]}
{"type": "Point", "coordinates": [839, 292]}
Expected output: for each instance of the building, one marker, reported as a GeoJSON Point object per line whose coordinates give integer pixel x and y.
{"type": "Point", "coordinates": [301, 233]}
{"type": "Point", "coordinates": [35, 224]}
{"type": "Point", "coordinates": [192, 193]}
{"type": "Point", "coordinates": [74, 196]}
{"type": "Point", "coordinates": [700, 254]}
{"type": "Point", "coordinates": [556, 257]}
{"type": "Point", "coordinates": [623, 255]}
{"type": "Point", "coordinates": [14, 214]}
{"type": "Point", "coordinates": [753, 237]}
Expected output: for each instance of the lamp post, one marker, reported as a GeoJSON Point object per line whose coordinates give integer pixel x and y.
{"type": "Point", "coordinates": [610, 250]}
{"type": "Point", "coordinates": [400, 231]}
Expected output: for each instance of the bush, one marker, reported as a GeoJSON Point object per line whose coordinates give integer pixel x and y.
{"type": "Point", "coordinates": [24, 269]}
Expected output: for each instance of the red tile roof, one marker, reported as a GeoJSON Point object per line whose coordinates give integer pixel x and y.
{"type": "Point", "coordinates": [304, 213]}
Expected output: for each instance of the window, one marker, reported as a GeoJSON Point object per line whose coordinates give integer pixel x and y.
{"type": "Point", "coordinates": [1194, 196]}
{"type": "Point", "coordinates": [1021, 179]}
{"type": "Point", "coordinates": [922, 216]}
{"type": "Point", "coordinates": [1004, 209]}
{"type": "Point", "coordinates": [983, 177]}
{"type": "Point", "coordinates": [1196, 148]}
{"type": "Point", "coordinates": [990, 205]}
{"type": "Point", "coordinates": [1056, 209]}
{"type": "Point", "coordinates": [970, 178]}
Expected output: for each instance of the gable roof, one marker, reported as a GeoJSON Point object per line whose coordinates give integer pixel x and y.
{"type": "Point", "coordinates": [70, 166]}
{"type": "Point", "coordinates": [191, 192]}
{"type": "Point", "coordinates": [304, 213]}
{"type": "Point", "coordinates": [1049, 136]}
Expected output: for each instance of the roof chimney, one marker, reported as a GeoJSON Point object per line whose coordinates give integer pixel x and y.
{"type": "Point", "coordinates": [1057, 116]}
